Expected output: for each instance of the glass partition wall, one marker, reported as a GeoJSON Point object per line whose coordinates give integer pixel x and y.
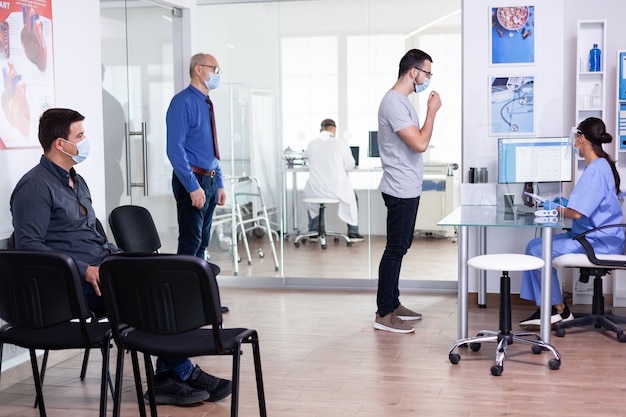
{"type": "Point", "coordinates": [285, 67]}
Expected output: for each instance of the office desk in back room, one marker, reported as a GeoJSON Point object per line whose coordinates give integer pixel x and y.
{"type": "Point", "coordinates": [483, 217]}
{"type": "Point", "coordinates": [440, 195]}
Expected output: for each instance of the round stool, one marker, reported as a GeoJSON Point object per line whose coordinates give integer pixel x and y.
{"type": "Point", "coordinates": [505, 262]}
{"type": "Point", "coordinates": [321, 232]}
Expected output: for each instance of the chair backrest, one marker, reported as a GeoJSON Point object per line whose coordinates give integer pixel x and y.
{"type": "Point", "coordinates": [134, 229]}
{"type": "Point", "coordinates": [160, 294]}
{"type": "Point", "coordinates": [40, 289]}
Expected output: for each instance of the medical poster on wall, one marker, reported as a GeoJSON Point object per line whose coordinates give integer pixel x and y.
{"type": "Point", "coordinates": [513, 35]}
{"type": "Point", "coordinates": [511, 105]}
{"type": "Point", "coordinates": [26, 59]}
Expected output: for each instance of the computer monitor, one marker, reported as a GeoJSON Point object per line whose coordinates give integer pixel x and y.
{"type": "Point", "coordinates": [531, 160]}
{"type": "Point", "coordinates": [372, 149]}
{"type": "Point", "coordinates": [355, 154]}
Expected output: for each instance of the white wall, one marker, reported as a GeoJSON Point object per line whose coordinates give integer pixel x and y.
{"type": "Point", "coordinates": [77, 86]}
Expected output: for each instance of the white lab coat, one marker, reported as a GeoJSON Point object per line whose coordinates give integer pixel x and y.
{"type": "Point", "coordinates": [329, 159]}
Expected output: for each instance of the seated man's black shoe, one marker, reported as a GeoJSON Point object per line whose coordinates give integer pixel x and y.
{"type": "Point", "coordinates": [225, 309]}
{"type": "Point", "coordinates": [170, 390]}
{"type": "Point", "coordinates": [217, 388]}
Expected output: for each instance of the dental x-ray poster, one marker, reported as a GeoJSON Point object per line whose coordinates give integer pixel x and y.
{"type": "Point", "coordinates": [513, 35]}
{"type": "Point", "coordinates": [26, 59]}
{"type": "Point", "coordinates": [511, 105]}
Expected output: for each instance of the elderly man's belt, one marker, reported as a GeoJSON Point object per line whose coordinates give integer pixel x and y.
{"type": "Point", "coordinates": [208, 173]}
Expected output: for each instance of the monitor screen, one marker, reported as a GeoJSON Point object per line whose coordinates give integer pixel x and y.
{"type": "Point", "coordinates": [372, 150]}
{"type": "Point", "coordinates": [355, 154]}
{"type": "Point", "coordinates": [522, 160]}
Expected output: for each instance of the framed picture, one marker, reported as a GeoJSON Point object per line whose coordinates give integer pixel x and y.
{"type": "Point", "coordinates": [511, 105]}
{"type": "Point", "coordinates": [512, 35]}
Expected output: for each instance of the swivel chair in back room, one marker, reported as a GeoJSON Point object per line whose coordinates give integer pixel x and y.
{"type": "Point", "coordinates": [321, 231]}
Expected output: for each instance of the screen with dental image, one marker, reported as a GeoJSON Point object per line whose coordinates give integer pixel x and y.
{"type": "Point", "coordinates": [532, 160]}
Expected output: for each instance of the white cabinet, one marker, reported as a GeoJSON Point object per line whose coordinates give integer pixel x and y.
{"type": "Point", "coordinates": [589, 32]}
{"type": "Point", "coordinates": [440, 196]}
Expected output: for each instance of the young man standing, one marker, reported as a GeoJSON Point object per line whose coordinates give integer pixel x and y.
{"type": "Point", "coordinates": [401, 143]}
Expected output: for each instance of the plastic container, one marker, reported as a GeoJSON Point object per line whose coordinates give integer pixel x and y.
{"type": "Point", "coordinates": [595, 58]}
{"type": "Point", "coordinates": [596, 97]}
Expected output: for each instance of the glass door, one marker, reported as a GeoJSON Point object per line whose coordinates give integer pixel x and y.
{"type": "Point", "coordinates": [138, 39]}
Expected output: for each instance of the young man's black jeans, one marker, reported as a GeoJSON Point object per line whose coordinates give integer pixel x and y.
{"type": "Point", "coordinates": [401, 217]}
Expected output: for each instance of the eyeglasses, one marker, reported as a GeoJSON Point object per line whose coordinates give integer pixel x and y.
{"type": "Point", "coordinates": [428, 74]}
{"type": "Point", "coordinates": [579, 134]}
{"type": "Point", "coordinates": [216, 69]}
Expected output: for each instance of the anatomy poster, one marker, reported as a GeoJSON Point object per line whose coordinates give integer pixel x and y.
{"type": "Point", "coordinates": [26, 59]}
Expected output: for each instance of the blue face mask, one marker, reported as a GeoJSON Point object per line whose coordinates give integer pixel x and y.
{"type": "Point", "coordinates": [82, 147]}
{"type": "Point", "coordinates": [421, 87]}
{"type": "Point", "coordinates": [213, 82]}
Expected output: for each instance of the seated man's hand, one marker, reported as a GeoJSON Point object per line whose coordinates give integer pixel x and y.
{"type": "Point", "coordinates": [92, 276]}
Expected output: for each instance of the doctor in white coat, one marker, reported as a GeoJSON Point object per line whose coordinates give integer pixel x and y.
{"type": "Point", "coordinates": [329, 160]}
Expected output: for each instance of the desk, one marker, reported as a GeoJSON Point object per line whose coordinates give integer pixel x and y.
{"type": "Point", "coordinates": [488, 216]}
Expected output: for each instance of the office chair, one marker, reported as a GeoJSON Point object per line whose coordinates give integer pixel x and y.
{"type": "Point", "coordinates": [42, 301]}
{"type": "Point", "coordinates": [321, 231]}
{"type": "Point", "coordinates": [597, 266]}
{"type": "Point", "coordinates": [94, 316]}
{"type": "Point", "coordinates": [168, 300]}
{"type": "Point", "coordinates": [505, 262]}
{"type": "Point", "coordinates": [134, 230]}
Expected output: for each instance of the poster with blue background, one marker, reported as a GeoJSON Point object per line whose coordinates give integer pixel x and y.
{"type": "Point", "coordinates": [513, 35]}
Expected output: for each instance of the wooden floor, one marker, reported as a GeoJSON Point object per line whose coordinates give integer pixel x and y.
{"type": "Point", "coordinates": [340, 261]}
{"type": "Point", "coordinates": [322, 358]}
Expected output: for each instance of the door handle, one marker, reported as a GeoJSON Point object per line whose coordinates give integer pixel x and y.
{"type": "Point", "coordinates": [143, 133]}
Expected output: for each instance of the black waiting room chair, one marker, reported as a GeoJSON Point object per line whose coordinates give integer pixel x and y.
{"type": "Point", "coordinates": [43, 303]}
{"type": "Point", "coordinates": [167, 301]}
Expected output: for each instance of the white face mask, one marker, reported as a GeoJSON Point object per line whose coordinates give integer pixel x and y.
{"type": "Point", "coordinates": [82, 147]}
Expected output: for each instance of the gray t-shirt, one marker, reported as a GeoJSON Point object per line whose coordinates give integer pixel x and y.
{"type": "Point", "coordinates": [403, 168]}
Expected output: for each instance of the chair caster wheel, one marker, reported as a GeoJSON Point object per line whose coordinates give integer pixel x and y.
{"type": "Point", "coordinates": [559, 332]}
{"type": "Point", "coordinates": [621, 337]}
{"type": "Point", "coordinates": [323, 246]}
{"type": "Point", "coordinates": [475, 347]}
{"type": "Point", "coordinates": [497, 370]}
{"type": "Point", "coordinates": [554, 364]}
{"type": "Point", "coordinates": [348, 244]}
{"type": "Point", "coordinates": [454, 358]}
{"type": "Point", "coordinates": [537, 349]}
{"type": "Point", "coordinates": [297, 244]}
{"type": "Point", "coordinates": [336, 240]}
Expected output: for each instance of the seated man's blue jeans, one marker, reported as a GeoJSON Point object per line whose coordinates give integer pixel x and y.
{"type": "Point", "coordinates": [401, 217]}
{"type": "Point", "coordinates": [181, 366]}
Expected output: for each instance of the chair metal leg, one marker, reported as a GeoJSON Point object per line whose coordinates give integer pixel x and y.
{"type": "Point", "coordinates": [83, 369]}
{"type": "Point", "coordinates": [38, 383]}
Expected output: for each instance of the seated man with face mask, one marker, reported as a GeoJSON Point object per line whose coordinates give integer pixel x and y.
{"type": "Point", "coordinates": [329, 160]}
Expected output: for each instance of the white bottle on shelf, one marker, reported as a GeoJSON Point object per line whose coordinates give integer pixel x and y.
{"type": "Point", "coordinates": [596, 97]}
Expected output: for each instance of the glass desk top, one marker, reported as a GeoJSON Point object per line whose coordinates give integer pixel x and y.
{"type": "Point", "coordinates": [494, 216]}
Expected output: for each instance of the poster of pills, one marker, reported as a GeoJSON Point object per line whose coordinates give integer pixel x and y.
{"type": "Point", "coordinates": [513, 35]}
{"type": "Point", "coordinates": [26, 59]}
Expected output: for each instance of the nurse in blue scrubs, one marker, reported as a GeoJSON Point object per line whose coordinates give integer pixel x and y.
{"type": "Point", "coordinates": [592, 203]}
